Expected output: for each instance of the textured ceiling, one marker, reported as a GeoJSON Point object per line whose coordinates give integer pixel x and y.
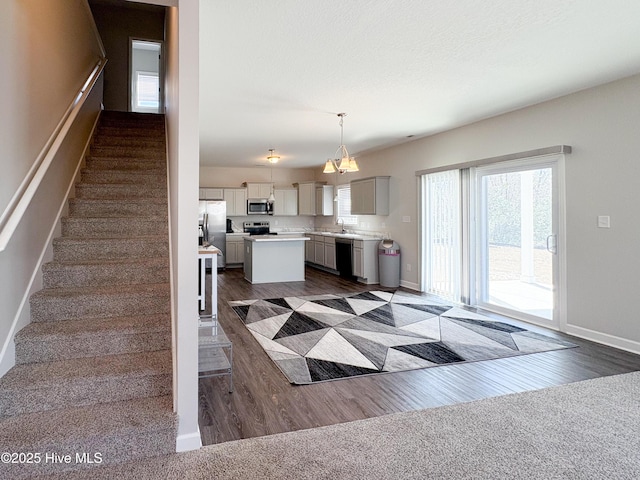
{"type": "Point", "coordinates": [274, 74]}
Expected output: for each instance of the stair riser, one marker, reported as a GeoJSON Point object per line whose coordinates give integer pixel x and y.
{"type": "Point", "coordinates": [82, 227]}
{"type": "Point", "coordinates": [119, 192]}
{"type": "Point", "coordinates": [114, 449]}
{"type": "Point", "coordinates": [37, 351]}
{"type": "Point", "coordinates": [139, 141]}
{"type": "Point", "coordinates": [127, 152]}
{"type": "Point", "coordinates": [84, 391]}
{"type": "Point", "coordinates": [124, 177]}
{"type": "Point", "coordinates": [71, 275]}
{"type": "Point", "coordinates": [127, 164]}
{"type": "Point", "coordinates": [79, 306]}
{"type": "Point", "coordinates": [106, 250]}
{"type": "Point", "coordinates": [115, 208]}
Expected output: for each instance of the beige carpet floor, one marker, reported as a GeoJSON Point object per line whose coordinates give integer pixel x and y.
{"type": "Point", "coordinates": [585, 430]}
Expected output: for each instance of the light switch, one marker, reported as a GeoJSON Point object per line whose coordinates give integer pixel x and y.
{"type": "Point", "coordinates": [604, 221]}
{"type": "Point", "coordinates": [406, 219]}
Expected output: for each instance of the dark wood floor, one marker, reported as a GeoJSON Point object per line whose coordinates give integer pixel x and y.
{"type": "Point", "coordinates": [264, 402]}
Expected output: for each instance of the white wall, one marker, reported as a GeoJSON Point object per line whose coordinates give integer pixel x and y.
{"type": "Point", "coordinates": [601, 124]}
{"type": "Point", "coordinates": [182, 120]}
{"type": "Point", "coordinates": [48, 50]}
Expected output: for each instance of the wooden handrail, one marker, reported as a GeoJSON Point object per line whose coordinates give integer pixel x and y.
{"type": "Point", "coordinates": [21, 199]}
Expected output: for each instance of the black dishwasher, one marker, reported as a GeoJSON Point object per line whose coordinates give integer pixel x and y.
{"type": "Point", "coordinates": [344, 257]}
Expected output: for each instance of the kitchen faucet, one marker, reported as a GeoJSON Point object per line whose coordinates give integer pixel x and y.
{"type": "Point", "coordinates": [338, 223]}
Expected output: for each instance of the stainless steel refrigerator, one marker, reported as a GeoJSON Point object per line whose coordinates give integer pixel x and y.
{"type": "Point", "coordinates": [212, 218]}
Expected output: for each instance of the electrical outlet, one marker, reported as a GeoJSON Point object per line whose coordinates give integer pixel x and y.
{"type": "Point", "coordinates": [408, 267]}
{"type": "Point", "coordinates": [604, 221]}
{"type": "Point", "coordinates": [276, 222]}
{"type": "Point", "coordinates": [384, 225]}
{"type": "Point", "coordinates": [406, 219]}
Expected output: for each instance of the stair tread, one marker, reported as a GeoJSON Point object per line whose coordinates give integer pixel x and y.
{"type": "Point", "coordinates": [74, 423]}
{"type": "Point", "coordinates": [108, 261]}
{"type": "Point", "coordinates": [31, 376]}
{"type": "Point", "coordinates": [136, 238]}
{"type": "Point", "coordinates": [130, 325]}
{"type": "Point", "coordinates": [107, 218]}
{"type": "Point", "coordinates": [103, 290]}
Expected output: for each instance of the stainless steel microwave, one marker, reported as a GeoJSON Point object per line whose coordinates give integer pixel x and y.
{"type": "Point", "coordinates": [259, 206]}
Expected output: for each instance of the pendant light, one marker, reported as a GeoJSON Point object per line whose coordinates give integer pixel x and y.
{"type": "Point", "coordinates": [272, 158]}
{"type": "Point", "coordinates": [342, 163]}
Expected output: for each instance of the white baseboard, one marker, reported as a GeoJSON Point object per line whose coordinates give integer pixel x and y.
{"type": "Point", "coordinates": [604, 338]}
{"type": "Point", "coordinates": [8, 358]}
{"type": "Point", "coordinates": [410, 285]}
{"type": "Point", "coordinates": [190, 441]}
{"type": "Point", "coordinates": [23, 314]}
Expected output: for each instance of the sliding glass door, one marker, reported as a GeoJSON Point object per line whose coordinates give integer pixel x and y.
{"type": "Point", "coordinates": [490, 237]}
{"type": "Point", "coordinates": [516, 239]}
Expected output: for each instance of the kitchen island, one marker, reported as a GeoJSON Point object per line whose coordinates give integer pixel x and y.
{"type": "Point", "coordinates": [274, 258]}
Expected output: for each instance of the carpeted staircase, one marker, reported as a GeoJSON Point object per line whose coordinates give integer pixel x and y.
{"type": "Point", "coordinates": [94, 368]}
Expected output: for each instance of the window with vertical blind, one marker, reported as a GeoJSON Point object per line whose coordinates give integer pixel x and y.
{"type": "Point", "coordinates": [344, 206]}
{"type": "Point", "coordinates": [442, 239]}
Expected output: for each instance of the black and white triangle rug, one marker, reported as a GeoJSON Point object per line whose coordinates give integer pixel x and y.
{"type": "Point", "coordinates": [326, 337]}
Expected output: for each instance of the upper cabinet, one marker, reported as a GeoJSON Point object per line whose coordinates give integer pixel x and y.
{"type": "Point", "coordinates": [315, 198]}
{"type": "Point", "coordinates": [324, 200]}
{"type": "Point", "coordinates": [370, 196]}
{"type": "Point", "coordinates": [236, 199]}
{"type": "Point", "coordinates": [211, 194]}
{"type": "Point", "coordinates": [286, 202]}
{"type": "Point", "coordinates": [258, 190]}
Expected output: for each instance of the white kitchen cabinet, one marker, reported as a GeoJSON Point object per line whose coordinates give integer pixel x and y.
{"type": "Point", "coordinates": [315, 198]}
{"type": "Point", "coordinates": [207, 193]}
{"type": "Point", "coordinates": [236, 199]}
{"type": "Point", "coordinates": [258, 190]}
{"type": "Point", "coordinates": [309, 250]}
{"type": "Point", "coordinates": [365, 260]}
{"type": "Point", "coordinates": [235, 250]}
{"type": "Point", "coordinates": [324, 200]}
{"type": "Point", "coordinates": [330, 252]}
{"type": "Point", "coordinates": [318, 252]}
{"type": "Point", "coordinates": [370, 196]}
{"type": "Point", "coordinates": [286, 202]}
{"type": "Point", "coordinates": [307, 198]}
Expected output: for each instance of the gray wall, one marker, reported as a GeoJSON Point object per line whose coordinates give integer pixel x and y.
{"type": "Point", "coordinates": [116, 25]}
{"type": "Point", "coordinates": [601, 124]}
{"type": "Point", "coordinates": [48, 51]}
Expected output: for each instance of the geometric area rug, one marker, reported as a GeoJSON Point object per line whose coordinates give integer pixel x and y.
{"type": "Point", "coordinates": [327, 337]}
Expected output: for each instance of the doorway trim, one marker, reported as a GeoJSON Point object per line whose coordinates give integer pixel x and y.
{"type": "Point", "coordinates": [161, 71]}
{"type": "Point", "coordinates": [558, 322]}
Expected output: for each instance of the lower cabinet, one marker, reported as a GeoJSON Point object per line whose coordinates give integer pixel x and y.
{"type": "Point", "coordinates": [365, 260]}
{"type": "Point", "coordinates": [235, 251]}
{"type": "Point", "coordinates": [330, 252]}
{"type": "Point", "coordinates": [318, 245]}
{"type": "Point", "coordinates": [309, 250]}
{"type": "Point", "coordinates": [321, 251]}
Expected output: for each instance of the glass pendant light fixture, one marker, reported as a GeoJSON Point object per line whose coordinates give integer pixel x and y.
{"type": "Point", "coordinates": [342, 163]}
{"type": "Point", "coordinates": [272, 158]}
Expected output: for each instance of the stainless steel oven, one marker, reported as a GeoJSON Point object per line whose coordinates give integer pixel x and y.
{"type": "Point", "coordinates": [259, 206]}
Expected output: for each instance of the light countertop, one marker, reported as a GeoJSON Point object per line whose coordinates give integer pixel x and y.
{"type": "Point", "coordinates": [275, 238]}
{"type": "Point", "coordinates": [208, 251]}
{"type": "Point", "coordinates": [354, 236]}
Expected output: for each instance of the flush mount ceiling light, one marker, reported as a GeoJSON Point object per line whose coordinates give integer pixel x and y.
{"type": "Point", "coordinates": [342, 163]}
{"type": "Point", "coordinates": [272, 157]}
